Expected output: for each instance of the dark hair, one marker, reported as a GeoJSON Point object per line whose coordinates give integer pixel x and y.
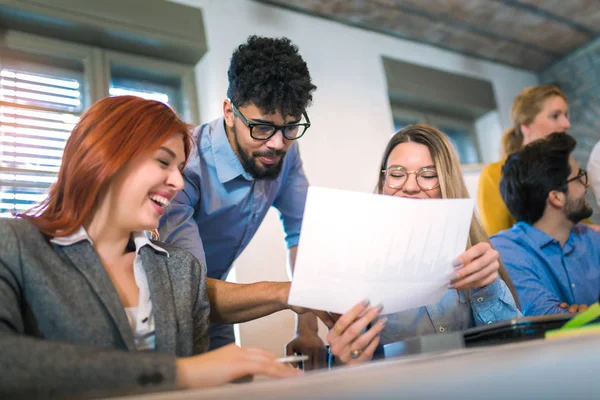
{"type": "Point", "coordinates": [270, 73]}
{"type": "Point", "coordinates": [529, 175]}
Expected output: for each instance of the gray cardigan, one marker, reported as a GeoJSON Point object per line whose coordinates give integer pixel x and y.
{"type": "Point", "coordinates": [63, 328]}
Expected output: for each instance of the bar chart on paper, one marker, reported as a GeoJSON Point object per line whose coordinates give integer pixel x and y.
{"type": "Point", "coordinates": [392, 251]}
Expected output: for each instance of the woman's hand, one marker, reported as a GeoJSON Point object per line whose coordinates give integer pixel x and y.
{"type": "Point", "coordinates": [475, 268]}
{"type": "Point", "coordinates": [346, 340]}
{"type": "Point", "coordinates": [228, 364]}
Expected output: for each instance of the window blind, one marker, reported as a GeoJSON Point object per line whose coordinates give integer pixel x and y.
{"type": "Point", "coordinates": [37, 114]}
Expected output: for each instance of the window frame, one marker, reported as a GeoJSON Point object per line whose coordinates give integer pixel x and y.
{"type": "Point", "coordinates": [437, 120]}
{"type": "Point", "coordinates": [96, 69]}
{"type": "Point", "coordinates": [185, 74]}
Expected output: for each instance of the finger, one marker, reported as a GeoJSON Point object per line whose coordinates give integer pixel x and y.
{"type": "Point", "coordinates": [476, 265]}
{"type": "Point", "coordinates": [563, 305]}
{"type": "Point", "coordinates": [490, 279]}
{"type": "Point", "coordinates": [367, 337]}
{"type": "Point", "coordinates": [349, 316]}
{"type": "Point", "coordinates": [292, 350]}
{"type": "Point", "coordinates": [289, 350]}
{"type": "Point", "coordinates": [309, 364]}
{"type": "Point", "coordinates": [478, 279]}
{"type": "Point", "coordinates": [319, 358]}
{"type": "Point", "coordinates": [355, 330]}
{"type": "Point", "coordinates": [323, 358]}
{"type": "Point", "coordinates": [573, 308]}
{"type": "Point", "coordinates": [583, 307]}
{"type": "Point", "coordinates": [244, 379]}
{"type": "Point", "coordinates": [256, 363]}
{"type": "Point", "coordinates": [256, 353]}
{"type": "Point", "coordinates": [369, 350]}
{"type": "Point", "coordinates": [358, 326]}
{"type": "Point", "coordinates": [274, 369]}
{"type": "Point", "coordinates": [471, 254]}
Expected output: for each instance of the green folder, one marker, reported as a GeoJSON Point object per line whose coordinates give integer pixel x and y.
{"type": "Point", "coordinates": [577, 325]}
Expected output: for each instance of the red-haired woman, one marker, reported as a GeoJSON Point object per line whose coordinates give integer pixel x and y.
{"type": "Point", "coordinates": [87, 302]}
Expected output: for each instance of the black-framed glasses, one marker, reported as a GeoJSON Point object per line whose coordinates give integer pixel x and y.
{"type": "Point", "coordinates": [261, 131]}
{"type": "Point", "coordinates": [581, 176]}
{"type": "Point", "coordinates": [396, 176]}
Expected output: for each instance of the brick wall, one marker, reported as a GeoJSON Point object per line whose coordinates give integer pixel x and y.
{"type": "Point", "coordinates": [579, 76]}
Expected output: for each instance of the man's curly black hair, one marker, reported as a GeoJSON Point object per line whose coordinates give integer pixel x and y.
{"type": "Point", "coordinates": [270, 73]}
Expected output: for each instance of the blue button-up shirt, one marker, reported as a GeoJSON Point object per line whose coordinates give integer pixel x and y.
{"type": "Point", "coordinates": [221, 206]}
{"type": "Point", "coordinates": [546, 274]}
{"type": "Point", "coordinates": [455, 312]}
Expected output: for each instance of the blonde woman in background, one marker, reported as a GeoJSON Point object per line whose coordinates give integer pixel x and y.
{"type": "Point", "coordinates": [536, 112]}
{"type": "Point", "coordinates": [419, 162]}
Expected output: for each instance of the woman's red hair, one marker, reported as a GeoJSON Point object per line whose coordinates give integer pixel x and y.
{"type": "Point", "coordinates": [112, 132]}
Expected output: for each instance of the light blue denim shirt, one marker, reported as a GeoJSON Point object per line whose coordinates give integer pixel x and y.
{"type": "Point", "coordinates": [455, 312]}
{"type": "Point", "coordinates": [221, 206]}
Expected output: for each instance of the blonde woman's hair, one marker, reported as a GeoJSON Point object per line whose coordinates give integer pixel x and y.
{"type": "Point", "coordinates": [525, 107]}
{"type": "Point", "coordinates": [452, 184]}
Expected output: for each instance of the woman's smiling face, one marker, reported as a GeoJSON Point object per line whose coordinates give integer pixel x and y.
{"type": "Point", "coordinates": [411, 173]}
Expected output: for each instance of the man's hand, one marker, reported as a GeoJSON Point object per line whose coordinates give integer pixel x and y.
{"type": "Point", "coordinates": [308, 342]}
{"type": "Point", "coordinates": [574, 308]}
{"type": "Point", "coordinates": [327, 318]}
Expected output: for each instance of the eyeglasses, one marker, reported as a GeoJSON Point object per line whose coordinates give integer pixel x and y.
{"type": "Point", "coordinates": [581, 176]}
{"type": "Point", "coordinates": [260, 131]}
{"type": "Point", "coordinates": [396, 177]}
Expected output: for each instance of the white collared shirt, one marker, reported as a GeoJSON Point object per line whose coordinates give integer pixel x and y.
{"type": "Point", "coordinates": [140, 318]}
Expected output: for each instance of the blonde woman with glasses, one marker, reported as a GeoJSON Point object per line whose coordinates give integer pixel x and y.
{"type": "Point", "coordinates": [419, 163]}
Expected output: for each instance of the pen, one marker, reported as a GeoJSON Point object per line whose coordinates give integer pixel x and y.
{"type": "Point", "coordinates": [290, 359]}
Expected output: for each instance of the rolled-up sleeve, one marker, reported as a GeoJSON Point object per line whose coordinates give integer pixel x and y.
{"type": "Point", "coordinates": [493, 303]}
{"type": "Point", "coordinates": [291, 199]}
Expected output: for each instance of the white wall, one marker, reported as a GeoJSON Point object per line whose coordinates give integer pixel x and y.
{"type": "Point", "coordinates": [488, 129]}
{"type": "Point", "coordinates": [351, 117]}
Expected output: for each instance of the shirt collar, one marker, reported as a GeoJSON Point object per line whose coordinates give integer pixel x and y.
{"type": "Point", "coordinates": [227, 162]}
{"type": "Point", "coordinates": [78, 236]}
{"type": "Point", "coordinates": [140, 239]}
{"type": "Point", "coordinates": [542, 239]}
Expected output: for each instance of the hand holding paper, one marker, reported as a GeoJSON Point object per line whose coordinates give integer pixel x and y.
{"type": "Point", "coordinates": [392, 251]}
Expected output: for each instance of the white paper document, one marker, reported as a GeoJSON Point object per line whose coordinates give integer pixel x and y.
{"type": "Point", "coordinates": [392, 251]}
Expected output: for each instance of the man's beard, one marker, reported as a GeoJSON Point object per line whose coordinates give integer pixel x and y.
{"type": "Point", "coordinates": [250, 164]}
{"type": "Point", "coordinates": [577, 209]}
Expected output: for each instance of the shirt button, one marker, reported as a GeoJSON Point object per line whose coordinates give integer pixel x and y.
{"type": "Point", "coordinates": [490, 322]}
{"type": "Point", "coordinates": [442, 329]}
{"type": "Point", "coordinates": [572, 285]}
{"type": "Point", "coordinates": [479, 299]}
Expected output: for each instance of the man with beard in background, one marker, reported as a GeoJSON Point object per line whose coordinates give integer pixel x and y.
{"type": "Point", "coordinates": [247, 161]}
{"type": "Point", "coordinates": [553, 260]}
